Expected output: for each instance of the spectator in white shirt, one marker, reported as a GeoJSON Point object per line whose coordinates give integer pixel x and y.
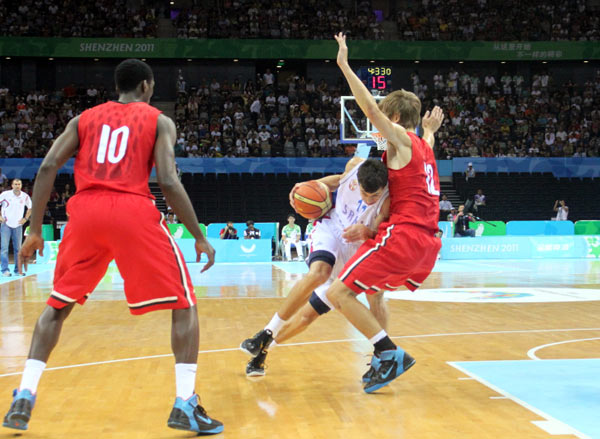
{"type": "Point", "coordinates": [13, 217]}
{"type": "Point", "coordinates": [562, 211]}
{"type": "Point", "coordinates": [470, 171]}
{"type": "Point", "coordinates": [445, 207]}
{"type": "Point", "coordinates": [479, 199]}
{"type": "Point", "coordinates": [445, 204]}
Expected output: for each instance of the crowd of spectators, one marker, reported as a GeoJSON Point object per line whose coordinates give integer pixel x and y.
{"type": "Point", "coordinates": [70, 18]}
{"type": "Point", "coordinates": [429, 20]}
{"type": "Point", "coordinates": [498, 20]}
{"type": "Point", "coordinates": [509, 117]}
{"type": "Point", "coordinates": [29, 122]}
{"type": "Point", "coordinates": [486, 116]}
{"type": "Point", "coordinates": [259, 118]}
{"type": "Point", "coordinates": [309, 19]}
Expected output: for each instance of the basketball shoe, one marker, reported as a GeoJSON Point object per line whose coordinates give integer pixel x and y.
{"type": "Point", "coordinates": [20, 410]}
{"type": "Point", "coordinates": [256, 366]}
{"type": "Point", "coordinates": [190, 416]}
{"type": "Point", "coordinates": [256, 344]}
{"type": "Point", "coordinates": [392, 365]}
{"type": "Point", "coordinates": [375, 362]}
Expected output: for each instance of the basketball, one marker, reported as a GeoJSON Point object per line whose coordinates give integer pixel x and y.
{"type": "Point", "coordinates": [312, 199]}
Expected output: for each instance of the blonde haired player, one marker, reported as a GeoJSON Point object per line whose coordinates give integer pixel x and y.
{"type": "Point", "coordinates": [405, 249]}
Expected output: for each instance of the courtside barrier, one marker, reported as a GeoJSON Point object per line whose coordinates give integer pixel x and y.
{"type": "Point", "coordinates": [521, 247]}
{"type": "Point", "coordinates": [585, 227]}
{"type": "Point", "coordinates": [528, 228]}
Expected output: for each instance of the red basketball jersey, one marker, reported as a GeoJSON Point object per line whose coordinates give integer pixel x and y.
{"type": "Point", "coordinates": [415, 189]}
{"type": "Point", "coordinates": [116, 147]}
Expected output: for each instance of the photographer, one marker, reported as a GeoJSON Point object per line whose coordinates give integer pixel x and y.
{"type": "Point", "coordinates": [228, 232]}
{"type": "Point", "coordinates": [461, 223]}
{"type": "Point", "coordinates": [251, 232]}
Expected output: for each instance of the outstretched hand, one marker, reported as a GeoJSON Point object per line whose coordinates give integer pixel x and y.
{"type": "Point", "coordinates": [203, 246]}
{"type": "Point", "coordinates": [433, 119]}
{"type": "Point", "coordinates": [32, 243]}
{"type": "Point", "coordinates": [342, 56]}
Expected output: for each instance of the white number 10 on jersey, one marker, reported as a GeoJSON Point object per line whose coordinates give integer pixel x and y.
{"type": "Point", "coordinates": [431, 180]}
{"type": "Point", "coordinates": [108, 144]}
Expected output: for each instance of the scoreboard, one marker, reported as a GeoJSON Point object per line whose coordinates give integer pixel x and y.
{"type": "Point", "coordinates": [378, 78]}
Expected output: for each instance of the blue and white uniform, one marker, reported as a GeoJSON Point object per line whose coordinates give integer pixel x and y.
{"type": "Point", "coordinates": [326, 239]}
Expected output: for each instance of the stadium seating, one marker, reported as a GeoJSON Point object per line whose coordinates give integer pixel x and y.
{"type": "Point", "coordinates": [524, 196]}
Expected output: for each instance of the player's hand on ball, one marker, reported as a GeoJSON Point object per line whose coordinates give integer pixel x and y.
{"type": "Point", "coordinates": [356, 233]}
{"type": "Point", "coordinates": [203, 246]}
{"type": "Point", "coordinates": [32, 243]}
{"type": "Point", "coordinates": [433, 119]}
{"type": "Point", "coordinates": [342, 56]}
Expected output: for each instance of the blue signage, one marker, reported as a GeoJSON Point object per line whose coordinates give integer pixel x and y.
{"type": "Point", "coordinates": [522, 247]}
{"type": "Point", "coordinates": [230, 250]}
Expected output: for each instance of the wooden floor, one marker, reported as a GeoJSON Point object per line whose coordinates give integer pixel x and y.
{"type": "Point", "coordinates": [112, 374]}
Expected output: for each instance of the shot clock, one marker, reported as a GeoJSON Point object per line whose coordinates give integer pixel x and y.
{"type": "Point", "coordinates": [376, 78]}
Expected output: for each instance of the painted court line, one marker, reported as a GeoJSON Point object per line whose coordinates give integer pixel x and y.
{"type": "Point", "coordinates": [210, 351]}
{"type": "Point", "coordinates": [529, 407]}
{"type": "Point", "coordinates": [531, 352]}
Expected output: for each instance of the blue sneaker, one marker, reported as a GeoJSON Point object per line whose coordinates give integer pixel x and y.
{"type": "Point", "coordinates": [392, 365]}
{"type": "Point", "coordinates": [20, 410]}
{"type": "Point", "coordinates": [375, 362]}
{"type": "Point", "coordinates": [190, 416]}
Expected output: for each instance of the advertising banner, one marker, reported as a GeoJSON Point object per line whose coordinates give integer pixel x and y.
{"type": "Point", "coordinates": [297, 49]}
{"type": "Point", "coordinates": [521, 247]}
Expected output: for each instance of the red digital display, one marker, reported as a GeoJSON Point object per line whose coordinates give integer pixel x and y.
{"type": "Point", "coordinates": [378, 82]}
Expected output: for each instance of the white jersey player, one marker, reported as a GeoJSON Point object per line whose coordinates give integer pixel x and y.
{"type": "Point", "coordinates": [328, 242]}
{"type": "Point", "coordinates": [361, 204]}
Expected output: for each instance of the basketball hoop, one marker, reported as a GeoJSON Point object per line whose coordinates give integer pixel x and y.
{"type": "Point", "coordinates": [379, 140]}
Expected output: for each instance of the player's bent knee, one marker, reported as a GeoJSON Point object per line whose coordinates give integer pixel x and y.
{"type": "Point", "coordinates": [338, 293]}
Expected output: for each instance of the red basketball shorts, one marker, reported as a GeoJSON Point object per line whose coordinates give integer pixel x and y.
{"type": "Point", "coordinates": [128, 228]}
{"type": "Point", "coordinates": [400, 255]}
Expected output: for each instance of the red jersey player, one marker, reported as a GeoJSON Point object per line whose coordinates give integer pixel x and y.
{"type": "Point", "coordinates": [405, 248]}
{"type": "Point", "coordinates": [112, 216]}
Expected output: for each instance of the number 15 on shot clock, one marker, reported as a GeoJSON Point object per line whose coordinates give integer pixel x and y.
{"type": "Point", "coordinates": [376, 77]}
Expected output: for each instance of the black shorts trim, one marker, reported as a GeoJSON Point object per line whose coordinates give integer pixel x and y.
{"type": "Point", "coordinates": [318, 305]}
{"type": "Point", "coordinates": [413, 283]}
{"type": "Point", "coordinates": [321, 255]}
{"type": "Point", "coordinates": [154, 303]}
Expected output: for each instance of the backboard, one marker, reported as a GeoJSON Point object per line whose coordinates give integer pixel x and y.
{"type": "Point", "coordinates": [354, 126]}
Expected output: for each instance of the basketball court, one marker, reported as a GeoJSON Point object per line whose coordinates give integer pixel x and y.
{"type": "Point", "coordinates": [503, 348]}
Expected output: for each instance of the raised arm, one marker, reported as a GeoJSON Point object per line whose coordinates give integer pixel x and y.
{"type": "Point", "coordinates": [394, 133]}
{"type": "Point", "coordinates": [431, 122]}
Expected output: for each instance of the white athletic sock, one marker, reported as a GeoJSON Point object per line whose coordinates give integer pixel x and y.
{"type": "Point", "coordinates": [273, 344]}
{"type": "Point", "coordinates": [379, 336]}
{"type": "Point", "coordinates": [185, 379]}
{"type": "Point", "coordinates": [32, 374]}
{"type": "Point", "coordinates": [275, 324]}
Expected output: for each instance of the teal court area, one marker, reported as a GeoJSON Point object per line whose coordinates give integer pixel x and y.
{"type": "Point", "coordinates": [566, 393]}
